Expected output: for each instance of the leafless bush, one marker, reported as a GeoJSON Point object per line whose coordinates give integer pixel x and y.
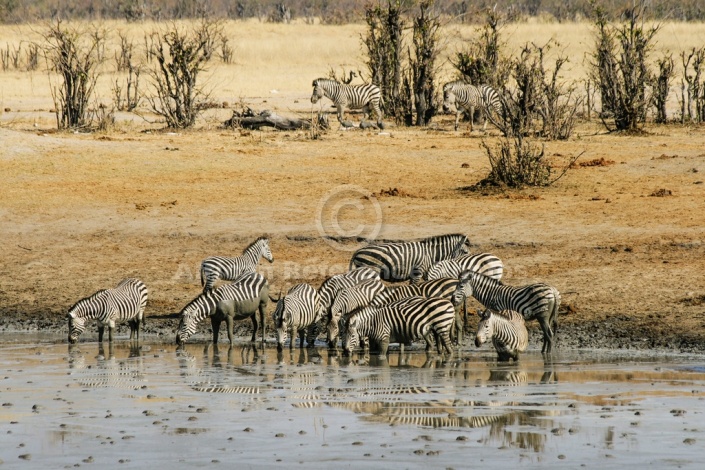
{"type": "Point", "coordinates": [693, 86]}
{"type": "Point", "coordinates": [73, 54]}
{"type": "Point", "coordinates": [226, 52]}
{"type": "Point", "coordinates": [663, 87]}
{"type": "Point", "coordinates": [422, 63]}
{"type": "Point", "coordinates": [620, 68]}
{"type": "Point", "coordinates": [180, 57]}
{"type": "Point", "coordinates": [32, 57]}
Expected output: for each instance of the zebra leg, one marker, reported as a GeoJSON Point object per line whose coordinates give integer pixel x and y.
{"type": "Point", "coordinates": [229, 324]}
{"type": "Point", "coordinates": [262, 307]}
{"type": "Point", "coordinates": [302, 336]}
{"type": "Point", "coordinates": [101, 329]}
{"type": "Point", "coordinates": [545, 323]}
{"type": "Point", "coordinates": [253, 317]}
{"type": "Point", "coordinates": [457, 118]}
{"type": "Point", "coordinates": [472, 118]}
{"type": "Point", "coordinates": [215, 326]}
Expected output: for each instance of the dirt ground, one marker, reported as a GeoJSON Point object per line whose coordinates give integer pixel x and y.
{"type": "Point", "coordinates": [620, 235]}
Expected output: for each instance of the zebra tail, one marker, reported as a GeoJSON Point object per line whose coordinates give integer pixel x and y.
{"type": "Point", "coordinates": [203, 281]}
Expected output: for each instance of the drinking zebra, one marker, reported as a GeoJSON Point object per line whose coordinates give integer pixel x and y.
{"type": "Point", "coordinates": [297, 312]}
{"type": "Point", "coordinates": [368, 97]}
{"type": "Point", "coordinates": [400, 261]}
{"type": "Point", "coordinates": [229, 302]}
{"type": "Point", "coordinates": [349, 300]}
{"type": "Point", "coordinates": [402, 321]}
{"type": "Point", "coordinates": [507, 331]}
{"type": "Point", "coordinates": [126, 302]}
{"type": "Point", "coordinates": [228, 269]}
{"type": "Point", "coordinates": [333, 284]}
{"type": "Point", "coordinates": [483, 263]}
{"type": "Point", "coordinates": [465, 96]}
{"type": "Point", "coordinates": [539, 301]}
{"type": "Point", "coordinates": [443, 288]}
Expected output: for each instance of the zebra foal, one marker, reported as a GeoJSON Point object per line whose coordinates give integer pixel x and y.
{"type": "Point", "coordinates": [401, 261]}
{"type": "Point", "coordinates": [507, 331]}
{"type": "Point", "coordinates": [464, 96]}
{"type": "Point", "coordinates": [402, 321]}
{"type": "Point", "coordinates": [297, 312]}
{"type": "Point", "coordinates": [126, 302]}
{"type": "Point", "coordinates": [539, 301]}
{"type": "Point", "coordinates": [365, 97]}
{"type": "Point", "coordinates": [228, 269]}
{"type": "Point", "coordinates": [237, 301]}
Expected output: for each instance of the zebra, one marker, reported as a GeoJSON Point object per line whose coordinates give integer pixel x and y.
{"type": "Point", "coordinates": [297, 311]}
{"type": "Point", "coordinates": [228, 269]}
{"type": "Point", "coordinates": [351, 96]}
{"type": "Point", "coordinates": [465, 96]}
{"type": "Point", "coordinates": [402, 321]}
{"type": "Point", "coordinates": [125, 302]}
{"type": "Point", "coordinates": [349, 300]}
{"type": "Point", "coordinates": [401, 261]}
{"type": "Point", "coordinates": [332, 285]}
{"type": "Point", "coordinates": [539, 301]}
{"type": "Point", "coordinates": [483, 263]}
{"type": "Point", "coordinates": [443, 288]}
{"type": "Point", "coordinates": [507, 331]}
{"type": "Point", "coordinates": [229, 302]}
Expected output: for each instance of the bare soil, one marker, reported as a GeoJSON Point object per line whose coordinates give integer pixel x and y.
{"type": "Point", "coordinates": [620, 234]}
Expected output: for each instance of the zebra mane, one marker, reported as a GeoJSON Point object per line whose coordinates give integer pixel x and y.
{"type": "Point", "coordinates": [259, 239]}
{"type": "Point", "coordinates": [506, 315]}
{"type": "Point", "coordinates": [469, 275]}
{"type": "Point", "coordinates": [200, 299]}
{"type": "Point", "coordinates": [93, 296]}
{"type": "Point", "coordinates": [324, 80]}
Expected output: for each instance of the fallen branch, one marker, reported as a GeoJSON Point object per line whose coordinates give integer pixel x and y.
{"type": "Point", "coordinates": [249, 119]}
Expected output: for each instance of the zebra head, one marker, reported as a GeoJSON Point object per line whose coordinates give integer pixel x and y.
{"type": "Point", "coordinates": [484, 328]}
{"type": "Point", "coordinates": [464, 289]}
{"type": "Point", "coordinates": [282, 321]}
{"type": "Point", "coordinates": [352, 336]}
{"type": "Point", "coordinates": [265, 250]}
{"type": "Point", "coordinates": [463, 248]}
{"type": "Point", "coordinates": [76, 326]}
{"type": "Point", "coordinates": [449, 97]}
{"type": "Point", "coordinates": [318, 91]}
{"type": "Point", "coordinates": [193, 313]}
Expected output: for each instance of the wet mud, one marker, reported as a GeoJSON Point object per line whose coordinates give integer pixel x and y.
{"type": "Point", "coordinates": [205, 406]}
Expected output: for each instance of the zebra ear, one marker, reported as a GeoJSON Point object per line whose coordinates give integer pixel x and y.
{"type": "Point", "coordinates": [71, 315]}
{"type": "Point", "coordinates": [315, 82]}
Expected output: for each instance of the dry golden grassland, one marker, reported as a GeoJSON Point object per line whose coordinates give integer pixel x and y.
{"type": "Point", "coordinates": [621, 236]}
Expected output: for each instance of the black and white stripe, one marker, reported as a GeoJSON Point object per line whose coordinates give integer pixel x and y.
{"type": "Point", "coordinates": [297, 312]}
{"type": "Point", "coordinates": [348, 300]}
{"type": "Point", "coordinates": [402, 321]}
{"type": "Point", "coordinates": [228, 269]}
{"type": "Point", "coordinates": [464, 96]}
{"type": "Point", "coordinates": [333, 284]}
{"type": "Point", "coordinates": [507, 331]}
{"type": "Point", "coordinates": [483, 263]}
{"type": "Point", "coordinates": [365, 97]}
{"type": "Point", "coordinates": [126, 302]}
{"type": "Point", "coordinates": [539, 301]}
{"type": "Point", "coordinates": [401, 261]}
{"type": "Point", "coordinates": [237, 301]}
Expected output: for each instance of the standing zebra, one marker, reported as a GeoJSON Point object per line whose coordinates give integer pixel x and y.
{"type": "Point", "coordinates": [125, 302]}
{"type": "Point", "coordinates": [296, 312]}
{"type": "Point", "coordinates": [402, 321]}
{"type": "Point", "coordinates": [465, 96]}
{"type": "Point", "coordinates": [507, 331]}
{"type": "Point", "coordinates": [399, 261]}
{"type": "Point", "coordinates": [443, 288]}
{"type": "Point", "coordinates": [333, 284]}
{"type": "Point", "coordinates": [539, 301]}
{"type": "Point", "coordinates": [227, 269]}
{"type": "Point", "coordinates": [483, 263]}
{"type": "Point", "coordinates": [349, 300]}
{"type": "Point", "coordinates": [351, 96]}
{"type": "Point", "coordinates": [229, 302]}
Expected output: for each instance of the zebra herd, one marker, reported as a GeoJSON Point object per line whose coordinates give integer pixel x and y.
{"type": "Point", "coordinates": [462, 96]}
{"type": "Point", "coordinates": [365, 305]}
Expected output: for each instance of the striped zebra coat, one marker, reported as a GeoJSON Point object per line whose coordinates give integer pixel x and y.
{"type": "Point", "coordinates": [297, 312]}
{"type": "Point", "coordinates": [332, 285]}
{"type": "Point", "coordinates": [126, 302]}
{"type": "Point", "coordinates": [242, 299]}
{"type": "Point", "coordinates": [402, 321]}
{"type": "Point", "coordinates": [483, 263]}
{"type": "Point", "coordinates": [539, 301]}
{"type": "Point", "coordinates": [507, 331]}
{"type": "Point", "coordinates": [443, 288]}
{"type": "Point", "coordinates": [401, 261]}
{"type": "Point", "coordinates": [464, 96]}
{"type": "Point", "coordinates": [365, 97]}
{"type": "Point", "coordinates": [228, 269]}
{"type": "Point", "coordinates": [348, 300]}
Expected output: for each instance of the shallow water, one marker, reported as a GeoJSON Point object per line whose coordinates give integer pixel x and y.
{"type": "Point", "coordinates": [208, 407]}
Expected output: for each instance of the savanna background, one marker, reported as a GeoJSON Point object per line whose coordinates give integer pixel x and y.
{"type": "Point", "coordinates": [620, 233]}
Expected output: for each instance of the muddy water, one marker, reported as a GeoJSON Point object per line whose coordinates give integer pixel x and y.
{"type": "Point", "coordinates": [202, 406]}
